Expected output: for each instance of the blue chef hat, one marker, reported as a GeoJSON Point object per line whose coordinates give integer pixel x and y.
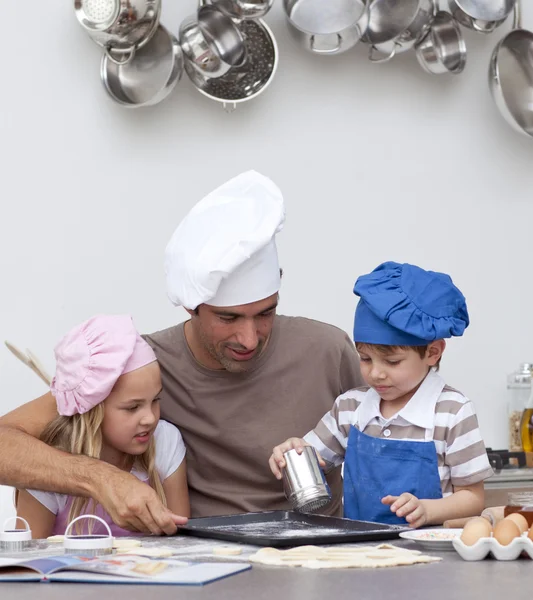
{"type": "Point", "coordinates": [403, 305]}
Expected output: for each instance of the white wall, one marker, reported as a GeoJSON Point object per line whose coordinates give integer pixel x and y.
{"type": "Point", "coordinates": [376, 163]}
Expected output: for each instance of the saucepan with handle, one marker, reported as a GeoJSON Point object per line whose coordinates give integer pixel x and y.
{"type": "Point", "coordinates": [482, 16]}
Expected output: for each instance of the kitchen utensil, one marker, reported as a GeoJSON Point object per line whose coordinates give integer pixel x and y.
{"type": "Point", "coordinates": [211, 42]}
{"type": "Point", "coordinates": [243, 9]}
{"type": "Point", "coordinates": [15, 540]}
{"type": "Point", "coordinates": [249, 80]}
{"type": "Point", "coordinates": [305, 484]}
{"type": "Point", "coordinates": [38, 367]}
{"type": "Point", "coordinates": [511, 76]}
{"type": "Point", "coordinates": [29, 362]}
{"type": "Point", "coordinates": [439, 540]}
{"type": "Point", "coordinates": [286, 528]}
{"type": "Point", "coordinates": [328, 27]}
{"type": "Point", "coordinates": [443, 50]}
{"type": "Point", "coordinates": [88, 545]}
{"type": "Point", "coordinates": [120, 26]}
{"type": "Point", "coordinates": [149, 77]}
{"type": "Point", "coordinates": [482, 16]}
{"type": "Point", "coordinates": [395, 27]}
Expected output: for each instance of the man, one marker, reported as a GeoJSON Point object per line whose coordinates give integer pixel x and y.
{"type": "Point", "coordinates": [237, 379]}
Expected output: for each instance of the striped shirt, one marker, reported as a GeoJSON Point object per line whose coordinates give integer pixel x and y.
{"type": "Point", "coordinates": [435, 412]}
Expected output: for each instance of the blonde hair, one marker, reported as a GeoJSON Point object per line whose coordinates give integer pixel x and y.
{"type": "Point", "coordinates": [82, 434]}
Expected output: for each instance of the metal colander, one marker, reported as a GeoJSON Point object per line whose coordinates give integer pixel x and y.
{"type": "Point", "coordinates": [98, 13]}
{"type": "Point", "coordinates": [245, 82]}
{"type": "Point", "coordinates": [121, 26]}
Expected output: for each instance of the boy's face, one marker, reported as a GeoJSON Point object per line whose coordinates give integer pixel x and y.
{"type": "Point", "coordinates": [396, 375]}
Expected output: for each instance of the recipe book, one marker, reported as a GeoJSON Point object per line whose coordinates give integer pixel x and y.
{"type": "Point", "coordinates": [115, 569]}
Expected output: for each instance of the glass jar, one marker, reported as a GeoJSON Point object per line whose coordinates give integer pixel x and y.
{"type": "Point", "coordinates": [522, 503]}
{"type": "Point", "coordinates": [519, 391]}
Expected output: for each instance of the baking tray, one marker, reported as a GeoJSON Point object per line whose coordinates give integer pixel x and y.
{"type": "Point", "coordinates": [286, 528]}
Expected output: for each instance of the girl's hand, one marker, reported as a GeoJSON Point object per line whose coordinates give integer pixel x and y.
{"type": "Point", "coordinates": [408, 506]}
{"type": "Point", "coordinates": [277, 462]}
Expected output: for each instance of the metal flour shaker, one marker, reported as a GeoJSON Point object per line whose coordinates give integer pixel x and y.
{"type": "Point", "coordinates": [304, 481]}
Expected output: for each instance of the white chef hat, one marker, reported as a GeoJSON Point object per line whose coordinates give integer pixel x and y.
{"type": "Point", "coordinates": [224, 252]}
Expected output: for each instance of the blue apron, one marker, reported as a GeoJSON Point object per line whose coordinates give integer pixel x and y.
{"type": "Point", "coordinates": [377, 467]}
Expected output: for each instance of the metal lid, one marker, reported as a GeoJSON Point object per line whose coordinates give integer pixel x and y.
{"type": "Point", "coordinates": [15, 535]}
{"type": "Point", "coordinates": [88, 542]}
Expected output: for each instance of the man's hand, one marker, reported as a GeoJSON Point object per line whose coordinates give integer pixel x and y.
{"type": "Point", "coordinates": [277, 462]}
{"type": "Point", "coordinates": [409, 507]}
{"type": "Point", "coordinates": [134, 505]}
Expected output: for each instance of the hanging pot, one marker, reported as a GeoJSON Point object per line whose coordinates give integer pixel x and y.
{"type": "Point", "coordinates": [120, 26]}
{"type": "Point", "coordinates": [443, 50]}
{"type": "Point", "coordinates": [247, 81]}
{"type": "Point", "coordinates": [149, 77]}
{"type": "Point", "coordinates": [211, 42]}
{"type": "Point", "coordinates": [395, 27]}
{"type": "Point", "coordinates": [482, 16]}
{"type": "Point", "coordinates": [326, 27]}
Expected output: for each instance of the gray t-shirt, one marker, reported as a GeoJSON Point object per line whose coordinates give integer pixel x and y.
{"type": "Point", "coordinates": [231, 421]}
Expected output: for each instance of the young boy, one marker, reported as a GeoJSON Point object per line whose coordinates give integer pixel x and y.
{"type": "Point", "coordinates": [411, 445]}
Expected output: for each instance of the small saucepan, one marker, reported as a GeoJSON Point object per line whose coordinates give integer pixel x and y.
{"type": "Point", "coordinates": [149, 77]}
{"type": "Point", "coordinates": [443, 50]}
{"type": "Point", "coordinates": [326, 26]}
{"type": "Point", "coordinates": [482, 16]}
{"type": "Point", "coordinates": [511, 77]}
{"type": "Point", "coordinates": [211, 42]}
{"type": "Point", "coordinates": [395, 27]}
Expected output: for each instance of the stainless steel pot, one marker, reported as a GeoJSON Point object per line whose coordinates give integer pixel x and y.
{"type": "Point", "coordinates": [395, 27]}
{"type": "Point", "coordinates": [328, 27]}
{"type": "Point", "coordinates": [243, 9]}
{"type": "Point", "coordinates": [304, 481]}
{"type": "Point", "coordinates": [120, 26]}
{"type": "Point", "coordinates": [482, 16]}
{"type": "Point", "coordinates": [149, 77]}
{"type": "Point", "coordinates": [511, 77]}
{"type": "Point", "coordinates": [211, 42]}
{"type": "Point", "coordinates": [443, 50]}
{"type": "Point", "coordinates": [247, 81]}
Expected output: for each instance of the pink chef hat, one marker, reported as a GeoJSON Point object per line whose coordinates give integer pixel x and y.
{"type": "Point", "coordinates": [91, 358]}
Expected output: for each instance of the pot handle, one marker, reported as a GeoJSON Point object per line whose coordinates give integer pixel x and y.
{"type": "Point", "coordinates": [390, 56]}
{"type": "Point", "coordinates": [479, 29]}
{"type": "Point", "coordinates": [127, 57]}
{"type": "Point", "coordinates": [329, 50]}
{"type": "Point", "coordinates": [517, 19]}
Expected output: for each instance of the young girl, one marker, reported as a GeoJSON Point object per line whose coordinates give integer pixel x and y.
{"type": "Point", "coordinates": [106, 385]}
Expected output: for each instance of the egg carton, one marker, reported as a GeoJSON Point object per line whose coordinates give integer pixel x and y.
{"type": "Point", "coordinates": [490, 545]}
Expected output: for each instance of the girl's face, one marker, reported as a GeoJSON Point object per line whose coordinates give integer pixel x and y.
{"type": "Point", "coordinates": [131, 412]}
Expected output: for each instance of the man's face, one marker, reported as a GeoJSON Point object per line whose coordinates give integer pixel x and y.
{"type": "Point", "coordinates": [234, 336]}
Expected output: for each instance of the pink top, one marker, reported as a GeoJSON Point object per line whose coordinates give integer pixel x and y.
{"type": "Point", "coordinates": [170, 452]}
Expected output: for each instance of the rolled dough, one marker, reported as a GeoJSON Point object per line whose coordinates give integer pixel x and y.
{"type": "Point", "coordinates": [315, 557]}
{"type": "Point", "coordinates": [227, 550]}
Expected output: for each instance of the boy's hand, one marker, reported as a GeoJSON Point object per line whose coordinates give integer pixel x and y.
{"type": "Point", "coordinates": [277, 462]}
{"type": "Point", "coordinates": [409, 507]}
